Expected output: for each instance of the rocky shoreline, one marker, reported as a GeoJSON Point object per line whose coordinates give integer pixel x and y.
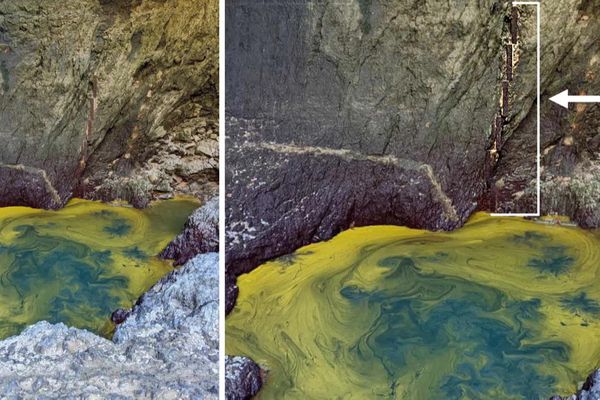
{"type": "Point", "coordinates": [116, 100]}
{"type": "Point", "coordinates": [402, 114]}
{"type": "Point", "coordinates": [590, 389]}
{"type": "Point", "coordinates": [339, 155]}
{"type": "Point", "coordinates": [167, 347]}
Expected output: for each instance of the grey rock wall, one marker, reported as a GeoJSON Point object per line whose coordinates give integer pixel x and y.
{"type": "Point", "coordinates": [355, 113]}
{"type": "Point", "coordinates": [107, 99]}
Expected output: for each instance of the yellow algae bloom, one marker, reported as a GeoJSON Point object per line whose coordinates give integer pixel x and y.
{"type": "Point", "coordinates": [79, 264]}
{"type": "Point", "coordinates": [502, 308]}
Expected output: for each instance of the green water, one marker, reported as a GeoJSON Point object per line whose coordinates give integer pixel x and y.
{"type": "Point", "coordinates": [79, 264]}
{"type": "Point", "coordinates": [500, 309]}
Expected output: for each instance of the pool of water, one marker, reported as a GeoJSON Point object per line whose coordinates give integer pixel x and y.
{"type": "Point", "coordinates": [79, 264]}
{"type": "Point", "coordinates": [502, 308]}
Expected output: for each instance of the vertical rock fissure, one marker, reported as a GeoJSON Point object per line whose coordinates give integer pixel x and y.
{"type": "Point", "coordinates": [510, 61]}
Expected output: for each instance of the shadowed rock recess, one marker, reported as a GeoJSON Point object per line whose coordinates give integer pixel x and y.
{"type": "Point", "coordinates": [107, 99]}
{"type": "Point", "coordinates": [403, 112]}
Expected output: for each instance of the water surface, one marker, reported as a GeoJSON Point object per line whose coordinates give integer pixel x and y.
{"type": "Point", "coordinates": [79, 264]}
{"type": "Point", "coordinates": [501, 309]}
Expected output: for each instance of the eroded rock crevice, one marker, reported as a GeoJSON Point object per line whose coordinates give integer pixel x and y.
{"type": "Point", "coordinates": [569, 59]}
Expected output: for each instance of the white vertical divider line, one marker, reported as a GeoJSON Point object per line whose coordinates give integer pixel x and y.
{"type": "Point", "coordinates": [222, 199]}
{"type": "Point", "coordinates": [538, 112]}
{"type": "Point", "coordinates": [539, 101]}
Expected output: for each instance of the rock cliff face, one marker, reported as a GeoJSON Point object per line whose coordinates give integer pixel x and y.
{"type": "Point", "coordinates": [570, 58]}
{"type": "Point", "coordinates": [409, 113]}
{"type": "Point", "coordinates": [107, 99]}
{"type": "Point", "coordinates": [354, 113]}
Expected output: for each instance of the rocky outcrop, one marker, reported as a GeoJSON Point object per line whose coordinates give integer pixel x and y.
{"type": "Point", "coordinates": [355, 116]}
{"type": "Point", "coordinates": [231, 292]}
{"type": "Point", "coordinates": [242, 378]}
{"type": "Point", "coordinates": [107, 99]}
{"type": "Point", "coordinates": [166, 349]}
{"type": "Point", "coordinates": [402, 113]}
{"type": "Point", "coordinates": [200, 234]}
{"type": "Point", "coordinates": [570, 155]}
{"type": "Point", "coordinates": [589, 391]}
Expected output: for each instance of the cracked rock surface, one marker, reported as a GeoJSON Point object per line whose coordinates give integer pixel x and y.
{"type": "Point", "coordinates": [570, 57]}
{"type": "Point", "coordinates": [242, 378]}
{"type": "Point", "coordinates": [107, 100]}
{"type": "Point", "coordinates": [200, 234]}
{"type": "Point", "coordinates": [166, 349]}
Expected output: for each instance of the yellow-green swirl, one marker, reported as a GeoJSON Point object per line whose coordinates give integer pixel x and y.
{"type": "Point", "coordinates": [501, 309]}
{"type": "Point", "coordinates": [79, 264]}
